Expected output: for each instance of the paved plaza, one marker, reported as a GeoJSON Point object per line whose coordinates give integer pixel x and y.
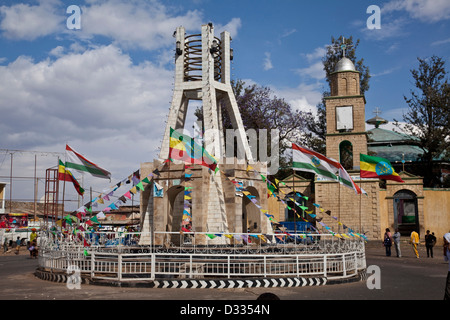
{"type": "Point", "coordinates": [405, 278]}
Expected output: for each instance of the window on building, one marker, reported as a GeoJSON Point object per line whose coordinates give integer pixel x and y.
{"type": "Point", "coordinates": [344, 118]}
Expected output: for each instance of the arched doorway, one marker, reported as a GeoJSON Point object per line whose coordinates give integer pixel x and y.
{"type": "Point", "coordinates": [406, 213]}
{"type": "Point", "coordinates": [346, 154]}
{"type": "Point", "coordinates": [175, 207]}
{"type": "Point", "coordinates": [251, 217]}
{"type": "Point", "coordinates": [294, 223]}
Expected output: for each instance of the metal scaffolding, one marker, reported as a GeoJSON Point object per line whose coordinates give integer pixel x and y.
{"type": "Point", "coordinates": [51, 195]}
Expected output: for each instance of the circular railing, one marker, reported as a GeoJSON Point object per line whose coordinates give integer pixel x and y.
{"type": "Point", "coordinates": [120, 257]}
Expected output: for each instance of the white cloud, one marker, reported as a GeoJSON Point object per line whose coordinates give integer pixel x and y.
{"type": "Point", "coordinates": [288, 33]}
{"type": "Point", "coordinates": [304, 97]}
{"type": "Point", "coordinates": [397, 14]}
{"type": "Point", "coordinates": [57, 52]}
{"type": "Point", "coordinates": [135, 24]}
{"type": "Point", "coordinates": [267, 61]}
{"type": "Point", "coordinates": [129, 24]}
{"type": "Point", "coordinates": [440, 42]}
{"type": "Point", "coordinates": [232, 27]}
{"type": "Point", "coordinates": [318, 53]}
{"type": "Point", "coordinates": [390, 28]}
{"type": "Point", "coordinates": [28, 22]}
{"type": "Point", "coordinates": [424, 10]}
{"type": "Point", "coordinates": [315, 68]}
{"type": "Point", "coordinates": [97, 100]}
{"type": "Point", "coordinates": [384, 72]}
{"type": "Point", "coordinates": [314, 71]}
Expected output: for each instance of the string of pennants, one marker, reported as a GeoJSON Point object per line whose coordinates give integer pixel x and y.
{"type": "Point", "coordinates": [79, 216]}
{"type": "Point", "coordinates": [139, 185]}
{"type": "Point", "coordinates": [242, 191]}
{"type": "Point", "coordinates": [186, 221]}
{"type": "Point", "coordinates": [272, 187]}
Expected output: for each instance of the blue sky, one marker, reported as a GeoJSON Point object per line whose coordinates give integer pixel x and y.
{"type": "Point", "coordinates": [106, 88]}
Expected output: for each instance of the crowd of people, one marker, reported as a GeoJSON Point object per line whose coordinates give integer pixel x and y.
{"type": "Point", "coordinates": [31, 245]}
{"type": "Point", "coordinates": [414, 240]}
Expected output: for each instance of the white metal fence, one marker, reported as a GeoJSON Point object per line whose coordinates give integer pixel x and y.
{"type": "Point", "coordinates": [117, 257]}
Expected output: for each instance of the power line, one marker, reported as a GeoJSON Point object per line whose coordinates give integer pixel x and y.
{"type": "Point", "coordinates": [42, 153]}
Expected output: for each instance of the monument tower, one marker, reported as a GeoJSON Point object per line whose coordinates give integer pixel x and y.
{"type": "Point", "coordinates": [202, 72]}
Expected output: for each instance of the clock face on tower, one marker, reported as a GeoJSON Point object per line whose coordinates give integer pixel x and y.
{"type": "Point", "coordinates": [344, 118]}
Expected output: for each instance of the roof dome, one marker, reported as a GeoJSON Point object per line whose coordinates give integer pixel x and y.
{"type": "Point", "coordinates": [376, 121]}
{"type": "Point", "coordinates": [345, 64]}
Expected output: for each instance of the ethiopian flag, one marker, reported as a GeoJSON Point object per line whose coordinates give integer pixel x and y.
{"type": "Point", "coordinates": [376, 167]}
{"type": "Point", "coordinates": [183, 147]}
{"type": "Point", "coordinates": [66, 175]}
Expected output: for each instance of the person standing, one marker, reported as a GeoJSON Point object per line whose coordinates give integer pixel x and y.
{"type": "Point", "coordinates": [33, 235]}
{"type": "Point", "coordinates": [396, 238]}
{"type": "Point", "coordinates": [387, 242]}
{"type": "Point", "coordinates": [430, 241]}
{"type": "Point", "coordinates": [447, 258]}
{"type": "Point", "coordinates": [5, 246]}
{"type": "Point", "coordinates": [18, 243]}
{"type": "Point", "coordinates": [415, 243]}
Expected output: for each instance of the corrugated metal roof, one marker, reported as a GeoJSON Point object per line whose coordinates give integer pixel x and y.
{"type": "Point", "coordinates": [383, 135]}
{"type": "Point", "coordinates": [395, 146]}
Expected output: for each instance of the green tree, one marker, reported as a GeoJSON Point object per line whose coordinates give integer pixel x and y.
{"type": "Point", "coordinates": [428, 115]}
{"type": "Point", "coordinates": [261, 109]}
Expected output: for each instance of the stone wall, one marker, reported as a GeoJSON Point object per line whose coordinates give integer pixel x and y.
{"type": "Point", "coordinates": [373, 213]}
{"type": "Point", "coordinates": [359, 212]}
{"type": "Point", "coordinates": [215, 206]}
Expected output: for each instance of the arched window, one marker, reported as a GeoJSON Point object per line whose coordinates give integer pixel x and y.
{"type": "Point", "coordinates": [346, 154]}
{"type": "Point", "coordinates": [405, 211]}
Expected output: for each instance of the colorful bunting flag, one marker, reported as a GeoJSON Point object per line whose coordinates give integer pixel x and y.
{"type": "Point", "coordinates": [183, 147]}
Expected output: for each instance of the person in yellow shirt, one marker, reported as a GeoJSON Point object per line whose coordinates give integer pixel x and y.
{"type": "Point", "coordinates": [415, 242]}
{"type": "Point", "coordinates": [33, 235]}
{"type": "Point", "coordinates": [33, 243]}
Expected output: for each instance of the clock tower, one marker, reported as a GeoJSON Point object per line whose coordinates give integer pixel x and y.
{"type": "Point", "coordinates": [345, 110]}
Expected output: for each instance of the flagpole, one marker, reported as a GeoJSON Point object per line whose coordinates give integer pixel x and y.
{"type": "Point", "coordinates": [360, 201]}
{"type": "Point", "coordinates": [55, 210]}
{"type": "Point", "coordinates": [64, 185]}
{"type": "Point", "coordinates": [339, 206]}
{"type": "Point", "coordinates": [90, 195]}
{"type": "Point", "coordinates": [295, 211]}
{"type": "Point", "coordinates": [64, 191]}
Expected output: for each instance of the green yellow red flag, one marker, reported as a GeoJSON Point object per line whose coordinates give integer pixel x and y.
{"type": "Point", "coordinates": [376, 167]}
